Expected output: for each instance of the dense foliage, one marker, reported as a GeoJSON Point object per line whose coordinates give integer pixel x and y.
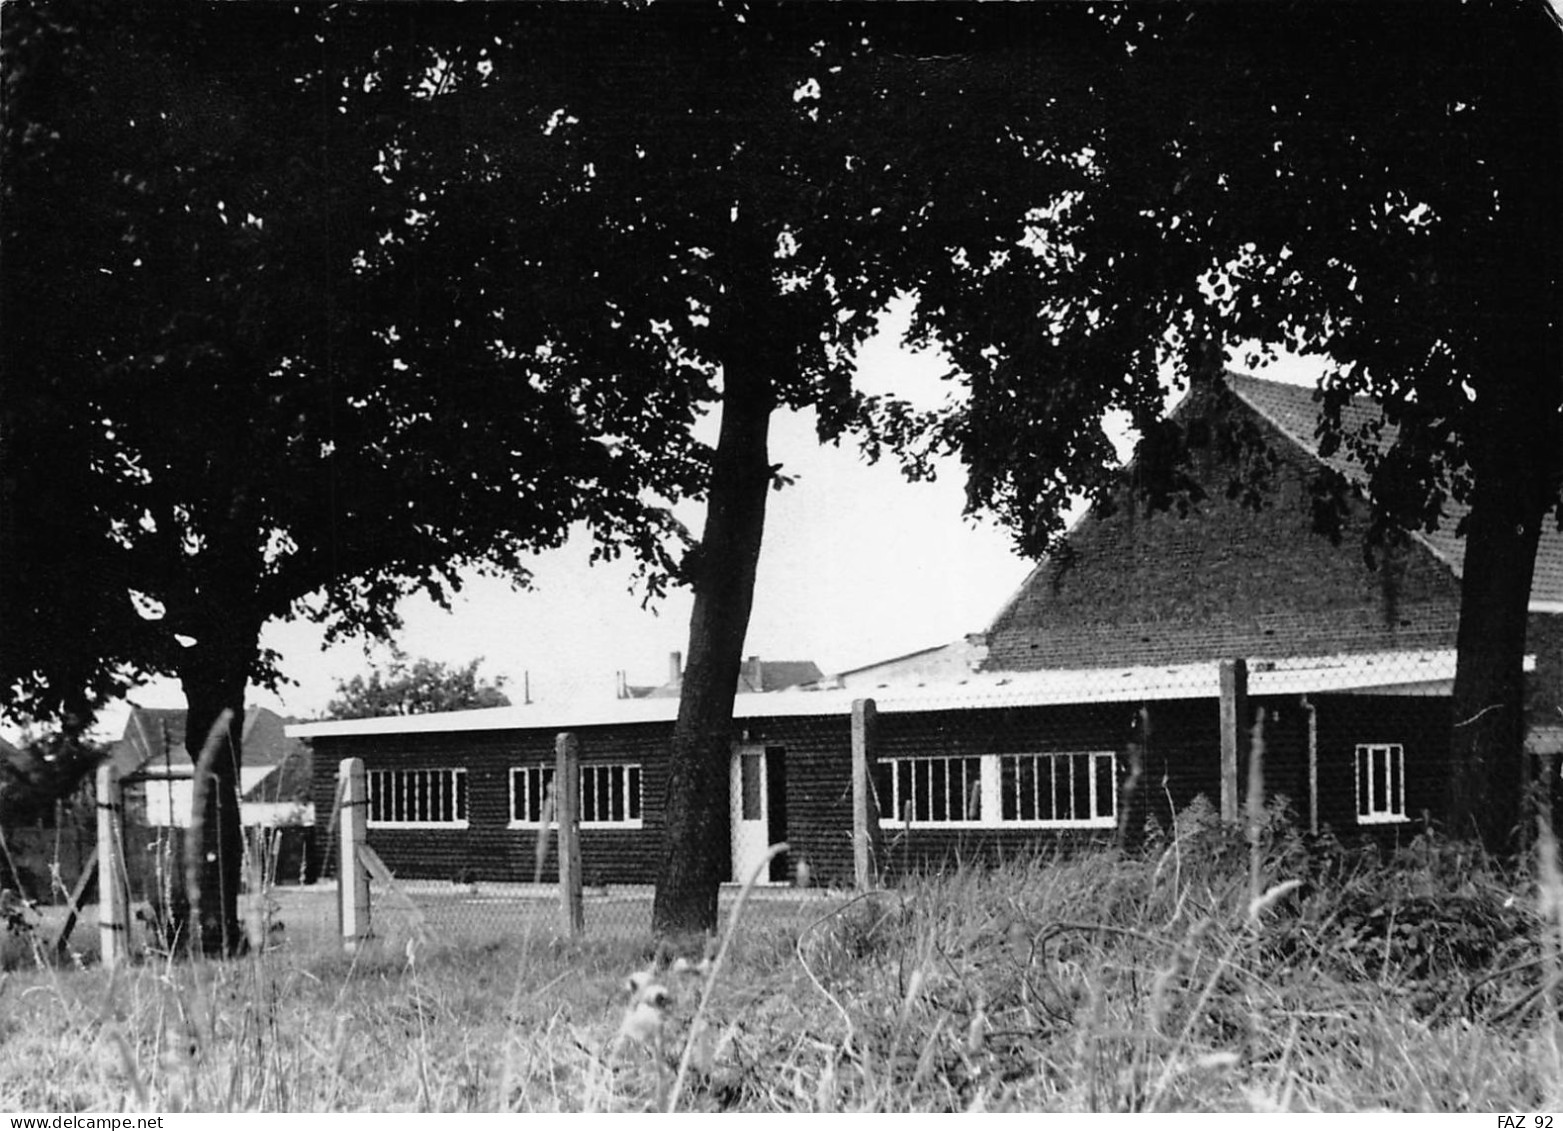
{"type": "Point", "coordinates": [43, 771]}
{"type": "Point", "coordinates": [415, 687]}
{"type": "Point", "coordinates": [312, 307]}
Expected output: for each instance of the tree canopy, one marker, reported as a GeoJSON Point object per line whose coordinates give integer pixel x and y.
{"type": "Point", "coordinates": [1376, 186]}
{"type": "Point", "coordinates": [220, 407]}
{"type": "Point", "coordinates": [44, 770]}
{"type": "Point", "coordinates": [201, 343]}
{"type": "Point", "coordinates": [415, 687]}
{"type": "Point", "coordinates": [315, 307]}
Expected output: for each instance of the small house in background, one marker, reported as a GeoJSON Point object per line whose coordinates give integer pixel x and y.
{"type": "Point", "coordinates": [945, 663]}
{"type": "Point", "coordinates": [1118, 684]}
{"type": "Point", "coordinates": [157, 774]}
{"type": "Point", "coordinates": [158, 771]}
{"type": "Point", "coordinates": [755, 676]}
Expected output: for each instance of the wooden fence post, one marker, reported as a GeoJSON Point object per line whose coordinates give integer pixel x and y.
{"type": "Point", "coordinates": [866, 836]}
{"type": "Point", "coordinates": [1131, 823]}
{"type": "Point", "coordinates": [1234, 709]}
{"type": "Point", "coordinates": [1256, 806]}
{"type": "Point", "coordinates": [1312, 709]}
{"type": "Point", "coordinates": [113, 901]}
{"type": "Point", "coordinates": [567, 806]}
{"type": "Point", "coordinates": [352, 877]}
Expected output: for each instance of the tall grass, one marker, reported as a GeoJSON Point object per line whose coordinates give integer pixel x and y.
{"type": "Point", "coordinates": [1092, 982]}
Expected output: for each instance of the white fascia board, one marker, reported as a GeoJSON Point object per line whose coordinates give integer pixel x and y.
{"type": "Point", "coordinates": [530, 717]}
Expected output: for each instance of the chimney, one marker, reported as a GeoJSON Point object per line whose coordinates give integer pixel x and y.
{"type": "Point", "coordinates": [622, 684]}
{"type": "Point", "coordinates": [754, 673]}
{"type": "Point", "coordinates": [675, 667]}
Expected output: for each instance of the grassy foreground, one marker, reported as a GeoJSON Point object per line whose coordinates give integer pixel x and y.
{"type": "Point", "coordinates": [1096, 982]}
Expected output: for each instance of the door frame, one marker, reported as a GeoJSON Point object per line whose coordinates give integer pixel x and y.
{"type": "Point", "coordinates": [748, 845]}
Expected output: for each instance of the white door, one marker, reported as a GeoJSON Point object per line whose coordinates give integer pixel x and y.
{"type": "Point", "coordinates": [750, 824]}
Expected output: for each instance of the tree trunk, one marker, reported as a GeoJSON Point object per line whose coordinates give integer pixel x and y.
{"type": "Point", "coordinates": [214, 678]}
{"type": "Point", "coordinates": [1513, 460]}
{"type": "Point", "coordinates": [1486, 779]}
{"type": "Point", "coordinates": [1516, 446]}
{"type": "Point", "coordinates": [696, 834]}
{"type": "Point", "coordinates": [1516, 453]}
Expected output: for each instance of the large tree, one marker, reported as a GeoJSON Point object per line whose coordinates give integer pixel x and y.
{"type": "Point", "coordinates": [216, 410]}
{"type": "Point", "coordinates": [1378, 185]}
{"type": "Point", "coordinates": [591, 225]}
{"type": "Point", "coordinates": [694, 208]}
{"type": "Point", "coordinates": [1080, 200]}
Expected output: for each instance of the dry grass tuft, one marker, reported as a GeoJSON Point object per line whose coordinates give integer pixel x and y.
{"type": "Point", "coordinates": [1093, 982]}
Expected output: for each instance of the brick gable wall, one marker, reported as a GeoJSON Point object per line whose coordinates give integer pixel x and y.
{"type": "Point", "coordinates": [1225, 579]}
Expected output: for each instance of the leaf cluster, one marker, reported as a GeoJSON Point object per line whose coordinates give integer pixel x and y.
{"type": "Point", "coordinates": [1168, 185]}
{"type": "Point", "coordinates": [309, 308]}
{"type": "Point", "coordinates": [415, 687]}
{"type": "Point", "coordinates": [44, 771]}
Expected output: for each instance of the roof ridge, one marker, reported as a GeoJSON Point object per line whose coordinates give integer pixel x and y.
{"type": "Point", "coordinates": [1085, 516]}
{"type": "Point", "coordinates": [1355, 473]}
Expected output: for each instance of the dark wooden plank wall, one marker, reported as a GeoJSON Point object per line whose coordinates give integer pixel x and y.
{"type": "Point", "coordinates": [818, 755]}
{"type": "Point", "coordinates": [1003, 731]}
{"type": "Point", "coordinates": [1421, 725]}
{"type": "Point", "coordinates": [1181, 762]}
{"type": "Point", "coordinates": [1285, 761]}
{"type": "Point", "coordinates": [488, 849]}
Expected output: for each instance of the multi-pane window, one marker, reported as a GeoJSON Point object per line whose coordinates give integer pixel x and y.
{"type": "Point", "coordinates": [1062, 790]}
{"type": "Point", "coordinates": [417, 797]}
{"type": "Point", "coordinates": [610, 794]}
{"type": "Point", "coordinates": [1058, 789]}
{"type": "Point", "coordinates": [938, 791]}
{"type": "Point", "coordinates": [530, 789]}
{"type": "Point", "coordinates": [1381, 782]}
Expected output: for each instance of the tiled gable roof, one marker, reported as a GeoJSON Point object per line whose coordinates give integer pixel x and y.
{"type": "Point", "coordinates": [778, 675]}
{"type": "Point", "coordinates": [1227, 574]}
{"type": "Point", "coordinates": [755, 677]}
{"type": "Point", "coordinates": [1294, 410]}
{"type": "Point", "coordinates": [155, 736]}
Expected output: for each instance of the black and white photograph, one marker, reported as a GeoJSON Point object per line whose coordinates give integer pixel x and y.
{"type": "Point", "coordinates": [765, 557]}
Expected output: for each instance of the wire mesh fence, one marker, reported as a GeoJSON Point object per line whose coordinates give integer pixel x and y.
{"type": "Point", "coordinates": [1354, 747]}
{"type": "Point", "coordinates": [460, 838]}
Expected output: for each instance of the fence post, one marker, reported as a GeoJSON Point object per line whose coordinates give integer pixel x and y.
{"type": "Point", "coordinates": [866, 837]}
{"type": "Point", "coordinates": [1131, 832]}
{"type": "Point", "coordinates": [113, 910]}
{"type": "Point", "coordinates": [567, 807]}
{"type": "Point", "coordinates": [1312, 709]}
{"type": "Point", "coordinates": [1234, 708]}
{"type": "Point", "coordinates": [352, 884]}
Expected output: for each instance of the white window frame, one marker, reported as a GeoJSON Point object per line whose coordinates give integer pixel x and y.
{"type": "Point", "coordinates": [422, 779]}
{"type": "Point", "coordinates": [1380, 810]}
{"type": "Point", "coordinates": [534, 778]}
{"type": "Point", "coordinates": [893, 814]}
{"type": "Point", "coordinates": [990, 792]}
{"type": "Point", "coordinates": [1064, 761]}
{"type": "Point", "coordinates": [540, 776]}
